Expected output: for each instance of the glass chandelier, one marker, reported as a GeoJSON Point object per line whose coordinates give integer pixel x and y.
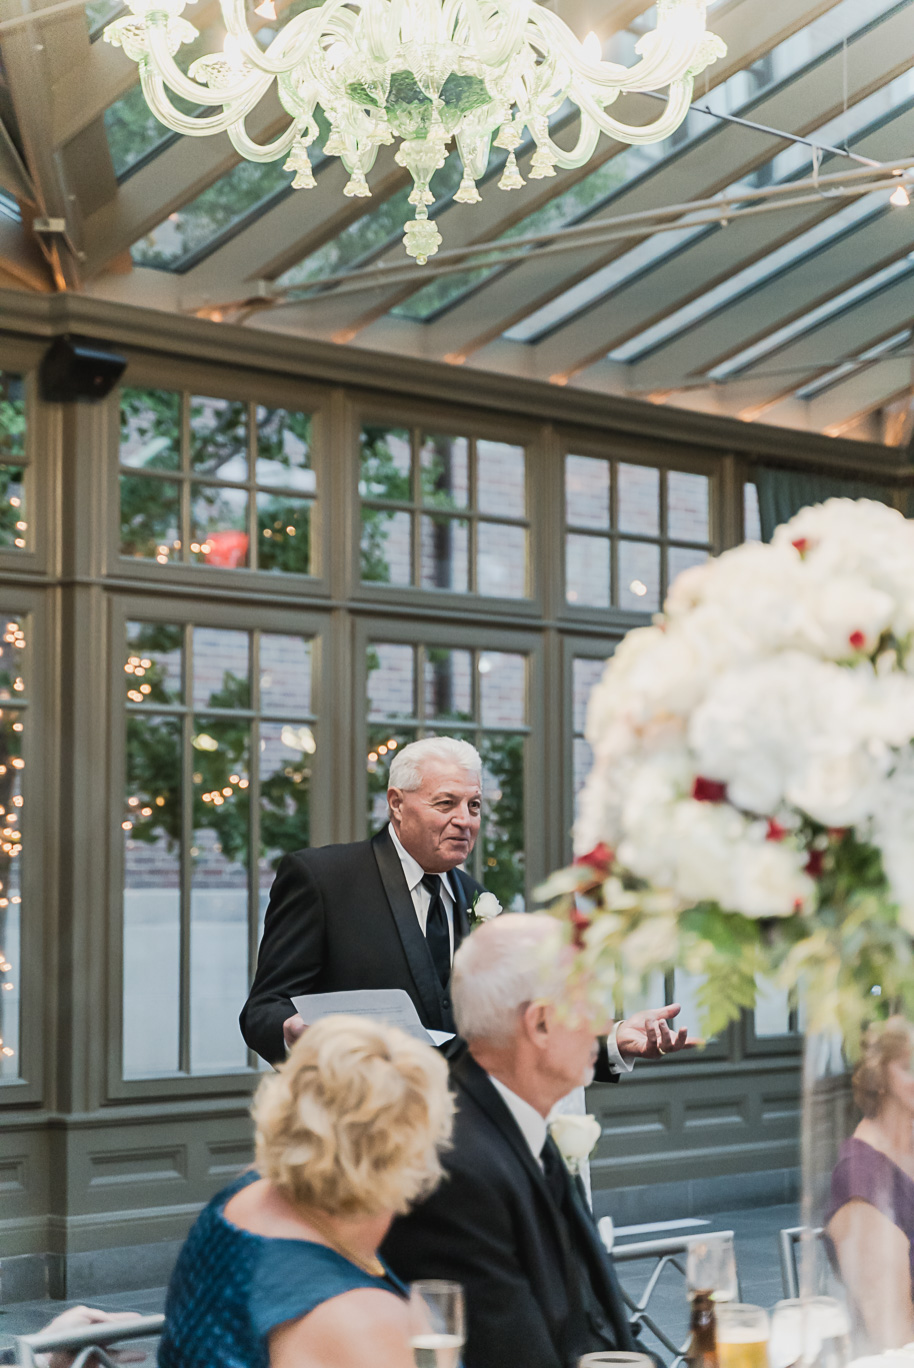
{"type": "Point", "coordinates": [423, 72]}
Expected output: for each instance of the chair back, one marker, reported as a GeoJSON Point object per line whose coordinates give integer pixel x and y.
{"type": "Point", "coordinates": [670, 1252]}
{"type": "Point", "coordinates": [88, 1343]}
{"type": "Point", "coordinates": [788, 1244]}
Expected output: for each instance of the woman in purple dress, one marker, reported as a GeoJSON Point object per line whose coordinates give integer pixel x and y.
{"type": "Point", "coordinates": [870, 1219]}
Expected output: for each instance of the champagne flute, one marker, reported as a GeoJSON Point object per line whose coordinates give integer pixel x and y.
{"type": "Point", "coordinates": [437, 1323]}
{"type": "Point", "coordinates": [711, 1267]}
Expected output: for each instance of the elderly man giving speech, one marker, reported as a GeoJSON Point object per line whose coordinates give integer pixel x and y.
{"type": "Point", "coordinates": [392, 911]}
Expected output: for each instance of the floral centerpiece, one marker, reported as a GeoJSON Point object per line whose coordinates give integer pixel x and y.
{"type": "Point", "coordinates": [750, 810]}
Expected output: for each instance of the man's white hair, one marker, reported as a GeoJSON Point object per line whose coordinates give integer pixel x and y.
{"type": "Point", "coordinates": [508, 962]}
{"type": "Point", "coordinates": [408, 764]}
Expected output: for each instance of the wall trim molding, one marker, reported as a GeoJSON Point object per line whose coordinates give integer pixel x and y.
{"type": "Point", "coordinates": [159, 333]}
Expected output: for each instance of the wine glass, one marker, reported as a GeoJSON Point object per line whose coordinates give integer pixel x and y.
{"type": "Point", "coordinates": [711, 1267]}
{"type": "Point", "coordinates": [810, 1330]}
{"type": "Point", "coordinates": [437, 1323]}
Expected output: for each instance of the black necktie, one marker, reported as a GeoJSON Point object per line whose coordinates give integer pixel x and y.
{"type": "Point", "coordinates": [555, 1172]}
{"type": "Point", "coordinates": [436, 928]}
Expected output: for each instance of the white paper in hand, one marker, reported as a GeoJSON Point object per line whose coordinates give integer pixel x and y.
{"type": "Point", "coordinates": [391, 1005]}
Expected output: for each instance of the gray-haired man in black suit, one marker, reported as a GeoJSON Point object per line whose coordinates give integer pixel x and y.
{"type": "Point", "coordinates": [384, 913]}
{"type": "Point", "coordinates": [508, 1221]}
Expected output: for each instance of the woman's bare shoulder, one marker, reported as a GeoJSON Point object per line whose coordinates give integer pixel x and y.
{"type": "Point", "coordinates": [339, 1333]}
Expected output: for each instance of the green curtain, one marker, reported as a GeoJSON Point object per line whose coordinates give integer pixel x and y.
{"type": "Point", "coordinates": [782, 493]}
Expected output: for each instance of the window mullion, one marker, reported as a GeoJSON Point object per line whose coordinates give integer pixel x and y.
{"type": "Point", "coordinates": [185, 480]}
{"type": "Point", "coordinates": [187, 833]}
{"type": "Point", "coordinates": [254, 820]}
{"type": "Point", "coordinates": [253, 518]}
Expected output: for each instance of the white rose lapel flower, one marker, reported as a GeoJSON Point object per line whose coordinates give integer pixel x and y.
{"type": "Point", "coordinates": [485, 907]}
{"type": "Point", "coordinates": [575, 1136]}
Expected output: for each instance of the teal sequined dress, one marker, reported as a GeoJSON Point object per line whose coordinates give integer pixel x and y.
{"type": "Point", "coordinates": [231, 1288]}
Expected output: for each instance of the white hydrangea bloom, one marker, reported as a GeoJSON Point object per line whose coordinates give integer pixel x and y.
{"type": "Point", "coordinates": [760, 699]}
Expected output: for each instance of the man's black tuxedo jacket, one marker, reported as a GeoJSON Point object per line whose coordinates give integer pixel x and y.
{"type": "Point", "coordinates": [341, 917]}
{"type": "Point", "coordinates": [493, 1225]}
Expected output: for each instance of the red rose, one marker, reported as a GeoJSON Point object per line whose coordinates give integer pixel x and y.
{"type": "Point", "coordinates": [579, 923]}
{"type": "Point", "coordinates": [709, 791]}
{"type": "Point", "coordinates": [801, 545]}
{"type": "Point", "coordinates": [775, 831]}
{"type": "Point", "coordinates": [815, 863]}
{"type": "Point", "coordinates": [600, 858]}
{"type": "Point", "coordinates": [857, 640]}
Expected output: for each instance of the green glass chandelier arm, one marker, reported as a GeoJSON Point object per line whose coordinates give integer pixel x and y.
{"type": "Point", "coordinates": [156, 96]}
{"type": "Point", "coordinates": [497, 51]}
{"type": "Point", "coordinates": [294, 41]}
{"type": "Point", "coordinates": [670, 52]}
{"type": "Point", "coordinates": [380, 30]}
{"type": "Point", "coordinates": [257, 152]}
{"type": "Point", "coordinates": [249, 83]}
{"type": "Point", "coordinates": [551, 34]}
{"type": "Point", "coordinates": [583, 149]}
{"type": "Point", "coordinates": [677, 106]}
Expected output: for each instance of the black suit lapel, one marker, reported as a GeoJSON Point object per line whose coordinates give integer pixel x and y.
{"type": "Point", "coordinates": [461, 909]}
{"type": "Point", "coordinates": [605, 1281]}
{"type": "Point", "coordinates": [470, 1076]}
{"type": "Point", "coordinates": [415, 946]}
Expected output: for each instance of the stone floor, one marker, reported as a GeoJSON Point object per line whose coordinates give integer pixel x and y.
{"type": "Point", "coordinates": [755, 1235]}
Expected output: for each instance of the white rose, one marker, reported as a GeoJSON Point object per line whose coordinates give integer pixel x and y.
{"type": "Point", "coordinates": [486, 907]}
{"type": "Point", "coordinates": [575, 1136]}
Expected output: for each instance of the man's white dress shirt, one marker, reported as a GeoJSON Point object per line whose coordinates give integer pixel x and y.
{"type": "Point", "coordinates": [421, 897]}
{"type": "Point", "coordinates": [532, 1126]}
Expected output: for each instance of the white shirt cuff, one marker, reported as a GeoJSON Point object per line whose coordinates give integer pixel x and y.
{"type": "Point", "coordinates": [617, 1061]}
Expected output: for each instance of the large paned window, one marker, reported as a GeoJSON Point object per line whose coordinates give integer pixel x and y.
{"type": "Point", "coordinates": [444, 511]}
{"type": "Point", "coordinates": [216, 482]}
{"type": "Point", "coordinates": [13, 514]}
{"type": "Point", "coordinates": [14, 713]}
{"type": "Point", "coordinates": [630, 530]}
{"type": "Point", "coordinates": [423, 690]}
{"type": "Point", "coordinates": [220, 740]}
{"type": "Point", "coordinates": [586, 673]}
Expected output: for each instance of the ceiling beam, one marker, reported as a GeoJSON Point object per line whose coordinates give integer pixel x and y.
{"type": "Point", "coordinates": [873, 385]}
{"type": "Point", "coordinates": [299, 224]}
{"type": "Point", "coordinates": [83, 92]}
{"type": "Point", "coordinates": [169, 181]}
{"type": "Point", "coordinates": [842, 337]}
{"type": "Point", "coordinates": [708, 261]}
{"type": "Point", "coordinates": [31, 54]}
{"type": "Point", "coordinates": [789, 296]}
{"type": "Point", "coordinates": [702, 168]}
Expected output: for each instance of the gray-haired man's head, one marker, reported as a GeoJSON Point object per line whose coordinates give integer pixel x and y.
{"type": "Point", "coordinates": [435, 798]}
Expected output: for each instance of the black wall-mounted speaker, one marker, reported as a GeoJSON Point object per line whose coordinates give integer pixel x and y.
{"type": "Point", "coordinates": [79, 368]}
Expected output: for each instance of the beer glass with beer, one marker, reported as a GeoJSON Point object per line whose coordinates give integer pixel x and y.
{"type": "Point", "coordinates": [742, 1336]}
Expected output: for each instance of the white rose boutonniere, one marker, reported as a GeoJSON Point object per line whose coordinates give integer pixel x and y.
{"type": "Point", "coordinates": [575, 1137]}
{"type": "Point", "coordinates": [485, 907]}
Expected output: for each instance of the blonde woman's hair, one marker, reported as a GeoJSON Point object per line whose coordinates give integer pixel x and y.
{"type": "Point", "coordinates": [883, 1043]}
{"type": "Point", "coordinates": [352, 1123]}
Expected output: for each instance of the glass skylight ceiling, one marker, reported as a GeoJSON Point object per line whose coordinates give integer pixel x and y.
{"type": "Point", "coordinates": [741, 281]}
{"type": "Point", "coordinates": [595, 192]}
{"type": "Point", "coordinates": [248, 188]}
